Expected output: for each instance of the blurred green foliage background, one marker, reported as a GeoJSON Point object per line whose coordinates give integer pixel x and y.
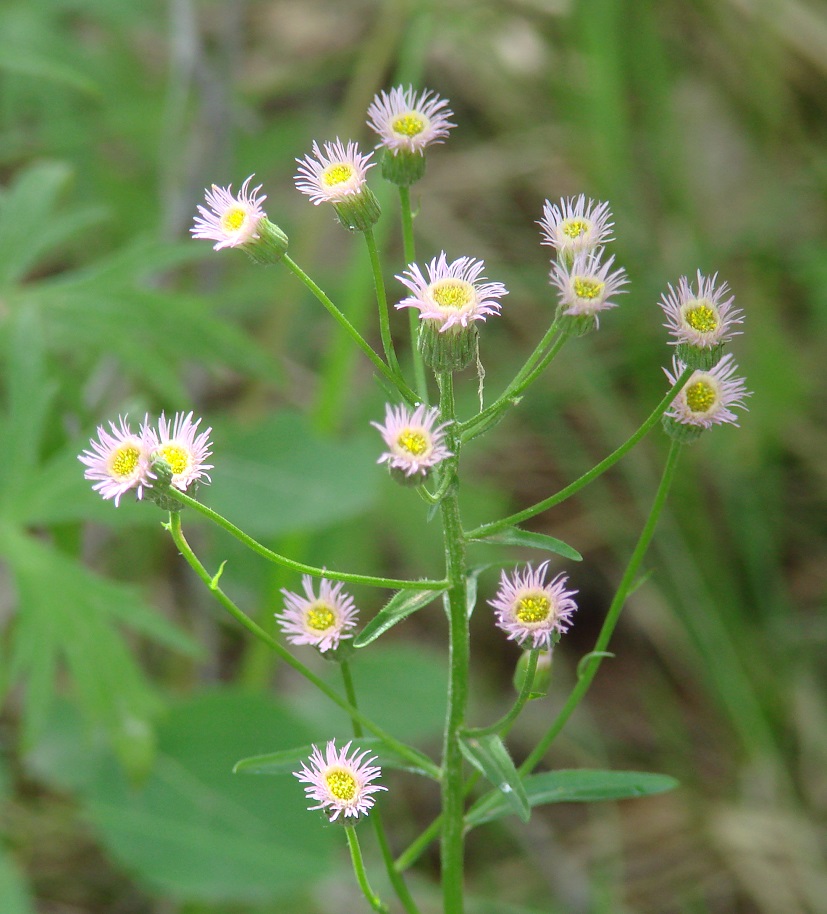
{"type": "Point", "coordinates": [127, 698]}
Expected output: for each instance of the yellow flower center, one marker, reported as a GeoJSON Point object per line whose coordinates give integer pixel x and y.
{"type": "Point", "coordinates": [337, 174]}
{"type": "Point", "coordinates": [409, 124]}
{"type": "Point", "coordinates": [452, 293]}
{"type": "Point", "coordinates": [701, 396]}
{"type": "Point", "coordinates": [124, 461]}
{"type": "Point", "coordinates": [233, 219]}
{"type": "Point", "coordinates": [533, 608]}
{"type": "Point", "coordinates": [701, 317]}
{"type": "Point", "coordinates": [585, 287]}
{"type": "Point", "coordinates": [320, 617]}
{"type": "Point", "coordinates": [413, 442]}
{"type": "Point", "coordinates": [341, 784]}
{"type": "Point", "coordinates": [179, 458]}
{"type": "Point", "coordinates": [574, 228]}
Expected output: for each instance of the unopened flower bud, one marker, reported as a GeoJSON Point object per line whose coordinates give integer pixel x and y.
{"type": "Point", "coordinates": [540, 681]}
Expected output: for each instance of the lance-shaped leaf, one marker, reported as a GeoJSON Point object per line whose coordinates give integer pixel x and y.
{"type": "Point", "coordinates": [399, 607]}
{"type": "Point", "coordinates": [489, 756]}
{"type": "Point", "coordinates": [573, 786]}
{"type": "Point", "coordinates": [288, 760]}
{"type": "Point", "coordinates": [513, 536]}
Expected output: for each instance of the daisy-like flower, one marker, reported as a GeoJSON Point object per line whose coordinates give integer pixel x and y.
{"type": "Point", "coordinates": [588, 285]}
{"type": "Point", "coordinates": [454, 294]}
{"type": "Point", "coordinates": [708, 398]}
{"type": "Point", "coordinates": [321, 620]}
{"type": "Point", "coordinates": [575, 225]}
{"type": "Point", "coordinates": [118, 461]}
{"type": "Point", "coordinates": [407, 123]}
{"type": "Point", "coordinates": [183, 447]}
{"type": "Point", "coordinates": [340, 785]}
{"type": "Point", "coordinates": [531, 610]}
{"type": "Point", "coordinates": [415, 442]}
{"type": "Point", "coordinates": [231, 221]}
{"type": "Point", "coordinates": [700, 319]}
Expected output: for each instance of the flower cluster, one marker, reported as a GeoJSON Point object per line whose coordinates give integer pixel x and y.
{"type": "Point", "coordinates": [323, 620]}
{"type": "Point", "coordinates": [338, 784]}
{"type": "Point", "coordinates": [121, 460]}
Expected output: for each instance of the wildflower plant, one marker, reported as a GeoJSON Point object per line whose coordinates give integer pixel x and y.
{"type": "Point", "coordinates": [423, 443]}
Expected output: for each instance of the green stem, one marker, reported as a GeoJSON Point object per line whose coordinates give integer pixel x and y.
{"type": "Point", "coordinates": [586, 478]}
{"type": "Point", "coordinates": [255, 546]}
{"type": "Point", "coordinates": [382, 302]}
{"type": "Point", "coordinates": [361, 875]}
{"type": "Point", "coordinates": [395, 876]}
{"type": "Point", "coordinates": [525, 377]}
{"type": "Point", "coordinates": [507, 720]}
{"type": "Point", "coordinates": [452, 845]}
{"type": "Point", "coordinates": [409, 248]}
{"type": "Point", "coordinates": [387, 371]}
{"type": "Point", "coordinates": [177, 533]}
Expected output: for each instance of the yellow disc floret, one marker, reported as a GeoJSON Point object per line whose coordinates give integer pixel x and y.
{"type": "Point", "coordinates": [320, 617]}
{"type": "Point", "coordinates": [574, 228]}
{"type": "Point", "coordinates": [338, 173]}
{"type": "Point", "coordinates": [701, 317]}
{"type": "Point", "coordinates": [178, 458]}
{"type": "Point", "coordinates": [233, 219]}
{"type": "Point", "coordinates": [452, 293]}
{"type": "Point", "coordinates": [533, 608]}
{"type": "Point", "coordinates": [585, 287]}
{"type": "Point", "coordinates": [341, 784]}
{"type": "Point", "coordinates": [410, 124]}
{"type": "Point", "coordinates": [701, 396]}
{"type": "Point", "coordinates": [413, 441]}
{"type": "Point", "coordinates": [124, 461]}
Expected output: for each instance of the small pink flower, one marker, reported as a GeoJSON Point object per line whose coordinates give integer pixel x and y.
{"type": "Point", "coordinates": [701, 317]}
{"type": "Point", "coordinates": [338, 784]}
{"type": "Point", "coordinates": [183, 447]}
{"type": "Point", "coordinates": [454, 294]}
{"type": "Point", "coordinates": [231, 221]}
{"type": "Point", "coordinates": [587, 286]}
{"type": "Point", "coordinates": [415, 442]}
{"type": "Point", "coordinates": [576, 225]}
{"type": "Point", "coordinates": [321, 621]}
{"type": "Point", "coordinates": [332, 175]}
{"type": "Point", "coordinates": [528, 609]}
{"type": "Point", "coordinates": [708, 397]}
{"type": "Point", "coordinates": [118, 461]}
{"type": "Point", "coordinates": [407, 123]}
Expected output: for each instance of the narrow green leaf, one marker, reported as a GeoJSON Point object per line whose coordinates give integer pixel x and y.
{"type": "Point", "coordinates": [288, 760]}
{"type": "Point", "coordinates": [489, 756]}
{"type": "Point", "coordinates": [513, 536]}
{"type": "Point", "coordinates": [574, 786]}
{"type": "Point", "coordinates": [399, 607]}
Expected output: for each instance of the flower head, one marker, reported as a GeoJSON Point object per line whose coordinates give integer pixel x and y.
{"type": "Point", "coordinates": [333, 175]}
{"type": "Point", "coordinates": [184, 448]}
{"type": "Point", "coordinates": [708, 397]}
{"type": "Point", "coordinates": [701, 317]}
{"type": "Point", "coordinates": [587, 286]}
{"type": "Point", "coordinates": [575, 225]}
{"type": "Point", "coordinates": [531, 610]}
{"type": "Point", "coordinates": [415, 442]}
{"type": "Point", "coordinates": [321, 620]}
{"type": "Point", "coordinates": [454, 294]}
{"type": "Point", "coordinates": [340, 785]}
{"type": "Point", "coordinates": [231, 221]}
{"type": "Point", "coordinates": [406, 123]}
{"type": "Point", "coordinates": [118, 461]}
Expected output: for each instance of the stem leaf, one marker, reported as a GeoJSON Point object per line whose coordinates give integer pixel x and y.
{"type": "Point", "coordinates": [489, 756]}
{"type": "Point", "coordinates": [513, 536]}
{"type": "Point", "coordinates": [288, 760]}
{"type": "Point", "coordinates": [399, 607]}
{"type": "Point", "coordinates": [573, 786]}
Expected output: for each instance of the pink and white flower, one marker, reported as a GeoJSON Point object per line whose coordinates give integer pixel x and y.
{"type": "Point", "coordinates": [231, 221]}
{"type": "Point", "coordinates": [340, 785]}
{"type": "Point", "coordinates": [576, 225]}
{"type": "Point", "coordinates": [587, 285]}
{"type": "Point", "coordinates": [184, 448]}
{"type": "Point", "coordinates": [531, 610]}
{"type": "Point", "coordinates": [335, 174]}
{"type": "Point", "coordinates": [415, 442]}
{"type": "Point", "coordinates": [454, 294]}
{"type": "Point", "coordinates": [702, 316]}
{"type": "Point", "coordinates": [321, 620]}
{"type": "Point", "coordinates": [405, 122]}
{"type": "Point", "coordinates": [118, 461]}
{"type": "Point", "coordinates": [708, 397]}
